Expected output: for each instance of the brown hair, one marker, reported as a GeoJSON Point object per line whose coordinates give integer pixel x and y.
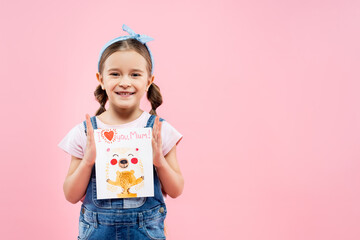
{"type": "Point", "coordinates": [153, 94]}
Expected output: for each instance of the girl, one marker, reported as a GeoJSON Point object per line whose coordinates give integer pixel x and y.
{"type": "Point", "coordinates": [125, 73]}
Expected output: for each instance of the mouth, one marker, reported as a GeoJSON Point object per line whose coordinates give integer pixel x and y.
{"type": "Point", "coordinates": [123, 165]}
{"type": "Point", "coordinates": [121, 93]}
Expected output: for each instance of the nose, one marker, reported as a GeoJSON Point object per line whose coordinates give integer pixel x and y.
{"type": "Point", "coordinates": [124, 82]}
{"type": "Point", "coordinates": [124, 161]}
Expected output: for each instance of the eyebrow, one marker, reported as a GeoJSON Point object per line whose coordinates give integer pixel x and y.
{"type": "Point", "coordinates": [115, 154]}
{"type": "Point", "coordinates": [130, 154]}
{"type": "Point", "coordinates": [116, 69]}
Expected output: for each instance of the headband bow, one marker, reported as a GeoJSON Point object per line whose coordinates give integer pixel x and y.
{"type": "Point", "coordinates": [141, 38]}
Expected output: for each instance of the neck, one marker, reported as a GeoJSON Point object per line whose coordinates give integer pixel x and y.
{"type": "Point", "coordinates": [120, 116]}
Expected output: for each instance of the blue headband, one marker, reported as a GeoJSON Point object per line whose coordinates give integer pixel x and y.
{"type": "Point", "coordinates": [141, 38]}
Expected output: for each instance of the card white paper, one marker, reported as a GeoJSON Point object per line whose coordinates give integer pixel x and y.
{"type": "Point", "coordinates": [124, 163]}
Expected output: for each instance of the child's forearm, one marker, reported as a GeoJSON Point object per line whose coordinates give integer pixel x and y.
{"type": "Point", "coordinates": [75, 184]}
{"type": "Point", "coordinates": [172, 181]}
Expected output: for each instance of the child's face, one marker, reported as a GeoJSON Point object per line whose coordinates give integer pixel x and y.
{"type": "Point", "coordinates": [125, 79]}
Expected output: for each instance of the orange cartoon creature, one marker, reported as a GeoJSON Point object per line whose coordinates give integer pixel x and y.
{"type": "Point", "coordinates": [129, 166]}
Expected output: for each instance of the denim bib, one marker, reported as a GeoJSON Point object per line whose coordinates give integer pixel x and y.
{"type": "Point", "coordinates": [126, 204]}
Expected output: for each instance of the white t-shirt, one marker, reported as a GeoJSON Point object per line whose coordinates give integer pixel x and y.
{"type": "Point", "coordinates": [74, 142]}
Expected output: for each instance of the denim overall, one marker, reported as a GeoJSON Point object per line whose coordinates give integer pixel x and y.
{"type": "Point", "coordinates": [126, 218]}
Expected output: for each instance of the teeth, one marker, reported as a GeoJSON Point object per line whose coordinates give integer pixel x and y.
{"type": "Point", "coordinates": [124, 93]}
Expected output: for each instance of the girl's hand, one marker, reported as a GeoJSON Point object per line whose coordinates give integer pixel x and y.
{"type": "Point", "coordinates": [90, 152]}
{"type": "Point", "coordinates": [158, 156]}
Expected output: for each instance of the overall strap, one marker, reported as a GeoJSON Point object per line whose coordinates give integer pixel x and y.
{"type": "Point", "coordinates": [151, 121]}
{"type": "Point", "coordinates": [93, 122]}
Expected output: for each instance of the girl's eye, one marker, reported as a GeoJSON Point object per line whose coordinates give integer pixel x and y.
{"type": "Point", "coordinates": [114, 74]}
{"type": "Point", "coordinates": [136, 75]}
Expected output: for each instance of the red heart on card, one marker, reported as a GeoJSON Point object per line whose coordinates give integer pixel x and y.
{"type": "Point", "coordinates": [109, 135]}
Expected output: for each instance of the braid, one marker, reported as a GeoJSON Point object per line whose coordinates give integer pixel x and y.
{"type": "Point", "coordinates": [154, 97]}
{"type": "Point", "coordinates": [102, 98]}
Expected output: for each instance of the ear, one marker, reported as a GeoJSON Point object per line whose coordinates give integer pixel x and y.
{"type": "Point", "coordinates": [150, 81]}
{"type": "Point", "coordinates": [99, 78]}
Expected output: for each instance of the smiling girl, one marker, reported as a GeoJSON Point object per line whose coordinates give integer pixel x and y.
{"type": "Point", "coordinates": [125, 74]}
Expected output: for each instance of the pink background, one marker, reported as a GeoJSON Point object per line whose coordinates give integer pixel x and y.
{"type": "Point", "coordinates": [266, 94]}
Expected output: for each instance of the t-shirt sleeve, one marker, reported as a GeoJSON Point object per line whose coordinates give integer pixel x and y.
{"type": "Point", "coordinates": [75, 141]}
{"type": "Point", "coordinates": [170, 137]}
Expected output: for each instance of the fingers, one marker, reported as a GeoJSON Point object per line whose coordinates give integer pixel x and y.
{"type": "Point", "coordinates": [157, 128]}
{"type": "Point", "coordinates": [157, 131]}
{"type": "Point", "coordinates": [89, 128]}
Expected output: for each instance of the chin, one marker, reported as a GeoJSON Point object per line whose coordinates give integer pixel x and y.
{"type": "Point", "coordinates": [125, 107]}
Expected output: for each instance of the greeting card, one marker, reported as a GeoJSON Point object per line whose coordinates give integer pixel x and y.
{"type": "Point", "coordinates": [124, 163]}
